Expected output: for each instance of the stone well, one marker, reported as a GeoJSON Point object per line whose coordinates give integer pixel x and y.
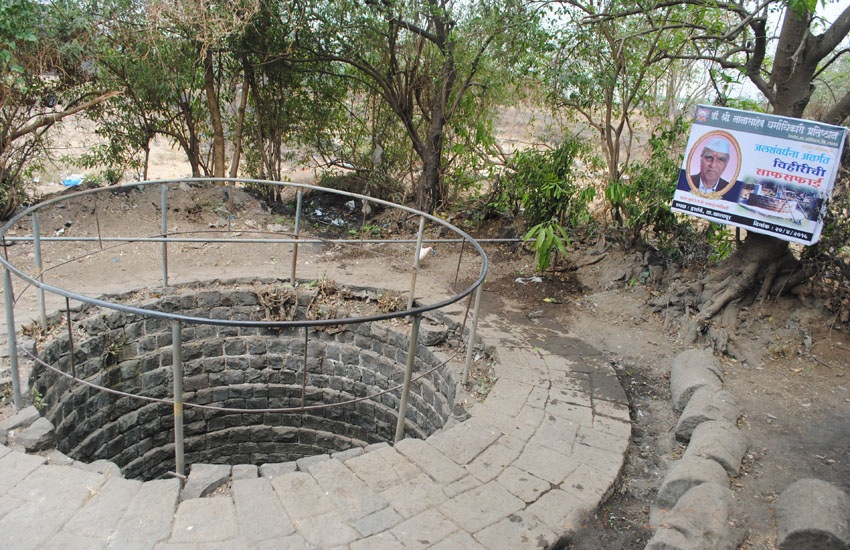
{"type": "Point", "coordinates": [227, 367]}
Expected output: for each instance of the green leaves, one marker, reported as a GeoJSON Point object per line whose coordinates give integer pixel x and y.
{"type": "Point", "coordinates": [547, 239]}
{"type": "Point", "coordinates": [543, 186]}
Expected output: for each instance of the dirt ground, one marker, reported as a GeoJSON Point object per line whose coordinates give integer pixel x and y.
{"type": "Point", "coordinates": [793, 385]}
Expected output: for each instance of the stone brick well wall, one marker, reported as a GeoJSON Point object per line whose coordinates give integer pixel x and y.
{"type": "Point", "coordinates": [231, 368]}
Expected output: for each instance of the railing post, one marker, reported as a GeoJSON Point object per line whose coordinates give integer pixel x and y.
{"type": "Point", "coordinates": [472, 330]}
{"type": "Point", "coordinates": [416, 261]}
{"type": "Point", "coordinates": [297, 232]}
{"type": "Point", "coordinates": [408, 375]}
{"type": "Point", "coordinates": [164, 210]}
{"type": "Point", "coordinates": [304, 369]}
{"type": "Point", "coordinates": [36, 234]}
{"type": "Point", "coordinates": [11, 338]}
{"type": "Point", "coordinates": [177, 368]}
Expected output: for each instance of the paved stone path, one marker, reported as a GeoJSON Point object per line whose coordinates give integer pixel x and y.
{"type": "Point", "coordinates": [528, 465]}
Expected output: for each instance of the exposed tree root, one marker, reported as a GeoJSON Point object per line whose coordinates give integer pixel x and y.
{"type": "Point", "coordinates": [761, 267]}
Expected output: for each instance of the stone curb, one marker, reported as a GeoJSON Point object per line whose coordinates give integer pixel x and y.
{"type": "Point", "coordinates": [695, 497]}
{"type": "Point", "coordinates": [692, 370]}
{"type": "Point", "coordinates": [812, 514]}
{"type": "Point", "coordinates": [707, 404]}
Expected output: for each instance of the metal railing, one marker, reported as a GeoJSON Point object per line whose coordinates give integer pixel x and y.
{"type": "Point", "coordinates": [413, 311]}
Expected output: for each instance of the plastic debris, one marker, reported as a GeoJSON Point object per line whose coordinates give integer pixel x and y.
{"type": "Point", "coordinates": [72, 180]}
{"type": "Point", "coordinates": [526, 280]}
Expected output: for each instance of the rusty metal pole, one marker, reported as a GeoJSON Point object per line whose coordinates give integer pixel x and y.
{"type": "Point", "coordinates": [11, 339]}
{"type": "Point", "coordinates": [177, 371]}
{"type": "Point", "coordinates": [472, 330]}
{"type": "Point", "coordinates": [459, 258]}
{"type": "Point", "coordinates": [416, 261]}
{"type": "Point", "coordinates": [36, 235]}
{"type": "Point", "coordinates": [304, 369]}
{"type": "Point", "coordinates": [297, 232]}
{"type": "Point", "coordinates": [164, 210]}
{"type": "Point", "coordinates": [408, 375]}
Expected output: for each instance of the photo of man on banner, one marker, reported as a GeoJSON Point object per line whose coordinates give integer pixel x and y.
{"type": "Point", "coordinates": [714, 163]}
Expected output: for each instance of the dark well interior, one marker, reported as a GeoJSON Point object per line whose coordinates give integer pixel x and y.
{"type": "Point", "coordinates": [252, 368]}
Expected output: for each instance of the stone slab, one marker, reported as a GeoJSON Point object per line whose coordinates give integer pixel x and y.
{"type": "Point", "coordinates": [17, 466]}
{"type": "Point", "coordinates": [31, 525]}
{"type": "Point", "coordinates": [302, 497]}
{"type": "Point", "coordinates": [383, 468]}
{"type": "Point", "coordinates": [277, 469]}
{"type": "Point", "coordinates": [377, 522]}
{"type": "Point", "coordinates": [495, 458]}
{"type": "Point", "coordinates": [350, 494]}
{"type": "Point", "coordinates": [100, 516]}
{"type": "Point", "coordinates": [204, 479]}
{"type": "Point", "coordinates": [545, 463]}
{"type": "Point", "coordinates": [259, 510]}
{"type": "Point", "coordinates": [203, 520]}
{"type": "Point", "coordinates": [59, 484]}
{"type": "Point", "coordinates": [414, 496]}
{"type": "Point", "coordinates": [423, 530]}
{"type": "Point", "coordinates": [68, 541]}
{"type": "Point", "coordinates": [149, 516]}
{"type": "Point", "coordinates": [430, 460]}
{"type": "Point", "coordinates": [305, 463]}
{"type": "Point", "coordinates": [381, 541]}
{"type": "Point", "coordinates": [459, 540]}
{"type": "Point", "coordinates": [522, 484]}
{"type": "Point", "coordinates": [479, 507]}
{"type": "Point", "coordinates": [326, 531]}
{"type": "Point", "coordinates": [244, 471]}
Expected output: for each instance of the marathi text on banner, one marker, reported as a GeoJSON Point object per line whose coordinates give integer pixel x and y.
{"type": "Point", "coordinates": [765, 173]}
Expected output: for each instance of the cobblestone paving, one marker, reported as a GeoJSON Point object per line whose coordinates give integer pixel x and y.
{"type": "Point", "coordinates": [529, 464]}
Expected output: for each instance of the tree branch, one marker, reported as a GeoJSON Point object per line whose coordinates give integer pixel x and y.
{"type": "Point", "coordinates": [839, 112]}
{"type": "Point", "coordinates": [45, 120]}
{"type": "Point", "coordinates": [833, 36]}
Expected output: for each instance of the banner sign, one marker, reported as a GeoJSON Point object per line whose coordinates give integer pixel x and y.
{"type": "Point", "coordinates": [765, 173]}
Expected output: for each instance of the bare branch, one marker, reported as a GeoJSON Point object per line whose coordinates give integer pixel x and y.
{"type": "Point", "coordinates": [832, 60]}
{"type": "Point", "coordinates": [46, 120]}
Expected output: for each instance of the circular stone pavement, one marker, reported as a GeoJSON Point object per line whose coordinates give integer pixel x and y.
{"type": "Point", "coordinates": [530, 464]}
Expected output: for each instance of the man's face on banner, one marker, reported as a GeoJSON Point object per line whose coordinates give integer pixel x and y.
{"type": "Point", "coordinates": [712, 164]}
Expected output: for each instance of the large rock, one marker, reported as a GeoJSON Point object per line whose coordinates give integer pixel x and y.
{"type": "Point", "coordinates": [719, 441]}
{"type": "Point", "coordinates": [22, 419]}
{"type": "Point", "coordinates": [668, 539]}
{"type": "Point", "coordinates": [704, 405]}
{"type": "Point", "coordinates": [693, 369]}
{"type": "Point", "coordinates": [813, 515]}
{"type": "Point", "coordinates": [701, 515]}
{"type": "Point", "coordinates": [688, 473]}
{"type": "Point", "coordinates": [38, 437]}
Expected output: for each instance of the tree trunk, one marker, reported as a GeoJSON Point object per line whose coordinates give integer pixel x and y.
{"type": "Point", "coordinates": [240, 123]}
{"type": "Point", "coordinates": [429, 183]}
{"type": "Point", "coordinates": [215, 117]}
